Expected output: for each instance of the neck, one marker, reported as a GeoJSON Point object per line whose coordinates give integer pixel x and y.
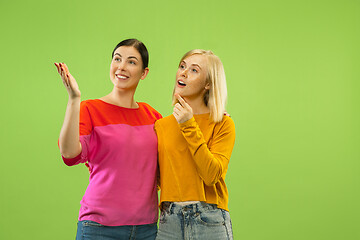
{"type": "Point", "coordinates": [198, 106]}
{"type": "Point", "coordinates": [122, 98]}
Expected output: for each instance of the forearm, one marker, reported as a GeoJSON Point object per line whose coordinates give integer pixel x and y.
{"type": "Point", "coordinates": [210, 166]}
{"type": "Point", "coordinates": [69, 142]}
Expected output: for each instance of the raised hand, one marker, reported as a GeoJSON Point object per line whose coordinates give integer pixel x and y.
{"type": "Point", "coordinates": [68, 81]}
{"type": "Point", "coordinates": [182, 110]}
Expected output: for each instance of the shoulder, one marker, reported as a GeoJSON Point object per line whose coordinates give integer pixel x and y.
{"type": "Point", "coordinates": [147, 108]}
{"type": "Point", "coordinates": [226, 125]}
{"type": "Point", "coordinates": [227, 120]}
{"type": "Point", "coordinates": [90, 102]}
{"type": "Point", "coordinates": [168, 121]}
{"type": "Point", "coordinates": [90, 109]}
{"type": "Point", "coordinates": [94, 107]}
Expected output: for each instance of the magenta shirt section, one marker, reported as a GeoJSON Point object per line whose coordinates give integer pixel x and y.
{"type": "Point", "coordinates": [123, 195]}
{"type": "Point", "coordinates": [120, 147]}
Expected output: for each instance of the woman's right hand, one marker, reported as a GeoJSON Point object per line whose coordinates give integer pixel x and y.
{"type": "Point", "coordinates": [68, 81]}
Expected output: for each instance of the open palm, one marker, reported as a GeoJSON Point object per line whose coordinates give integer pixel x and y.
{"type": "Point", "coordinates": [68, 80]}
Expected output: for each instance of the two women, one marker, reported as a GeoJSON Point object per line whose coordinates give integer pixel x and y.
{"type": "Point", "coordinates": [116, 139]}
{"type": "Point", "coordinates": [118, 142]}
{"type": "Point", "coordinates": [195, 145]}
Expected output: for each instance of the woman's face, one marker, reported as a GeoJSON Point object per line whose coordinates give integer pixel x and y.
{"type": "Point", "coordinates": [191, 77]}
{"type": "Point", "coordinates": [126, 68]}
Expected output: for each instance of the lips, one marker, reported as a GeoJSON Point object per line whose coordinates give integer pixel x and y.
{"type": "Point", "coordinates": [121, 76]}
{"type": "Point", "coordinates": [181, 83]}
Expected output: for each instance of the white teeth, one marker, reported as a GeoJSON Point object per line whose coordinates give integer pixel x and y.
{"type": "Point", "coordinates": [122, 77]}
{"type": "Point", "coordinates": [181, 83]}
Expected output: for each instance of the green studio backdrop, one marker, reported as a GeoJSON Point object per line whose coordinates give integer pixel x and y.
{"type": "Point", "coordinates": [292, 71]}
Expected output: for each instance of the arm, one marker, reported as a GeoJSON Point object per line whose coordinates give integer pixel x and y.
{"type": "Point", "coordinates": [69, 142]}
{"type": "Point", "coordinates": [211, 161]}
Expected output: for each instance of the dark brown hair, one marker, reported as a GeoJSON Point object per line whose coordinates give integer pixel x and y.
{"type": "Point", "coordinates": [139, 46]}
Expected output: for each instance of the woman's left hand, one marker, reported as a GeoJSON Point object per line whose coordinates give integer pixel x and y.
{"type": "Point", "coordinates": [182, 111]}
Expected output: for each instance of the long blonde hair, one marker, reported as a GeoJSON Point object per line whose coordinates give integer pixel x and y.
{"type": "Point", "coordinates": [215, 98]}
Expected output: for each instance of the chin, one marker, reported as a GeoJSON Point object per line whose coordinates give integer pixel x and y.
{"type": "Point", "coordinates": [178, 91]}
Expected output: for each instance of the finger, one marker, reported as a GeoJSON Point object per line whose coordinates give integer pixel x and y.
{"type": "Point", "coordinates": [88, 167]}
{"type": "Point", "coordinates": [66, 68]}
{"type": "Point", "coordinates": [61, 69]}
{"type": "Point", "coordinates": [58, 67]}
{"type": "Point", "coordinates": [176, 115]}
{"type": "Point", "coordinates": [69, 81]}
{"type": "Point", "coordinates": [182, 101]}
{"type": "Point", "coordinates": [65, 79]}
{"type": "Point", "coordinates": [67, 74]}
{"type": "Point", "coordinates": [178, 106]}
{"type": "Point", "coordinates": [177, 111]}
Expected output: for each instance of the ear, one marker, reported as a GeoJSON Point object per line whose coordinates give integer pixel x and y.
{"type": "Point", "coordinates": [145, 73]}
{"type": "Point", "coordinates": [207, 86]}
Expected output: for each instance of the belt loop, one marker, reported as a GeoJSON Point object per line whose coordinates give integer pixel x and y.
{"type": "Point", "coordinates": [167, 207]}
{"type": "Point", "coordinates": [171, 209]}
{"type": "Point", "coordinates": [199, 207]}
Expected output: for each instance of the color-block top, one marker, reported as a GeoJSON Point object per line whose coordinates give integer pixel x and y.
{"type": "Point", "coordinates": [194, 158]}
{"type": "Point", "coordinates": [120, 146]}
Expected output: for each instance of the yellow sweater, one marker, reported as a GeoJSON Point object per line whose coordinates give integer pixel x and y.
{"type": "Point", "coordinates": [194, 158]}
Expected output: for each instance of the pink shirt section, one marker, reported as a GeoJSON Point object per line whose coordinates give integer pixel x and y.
{"type": "Point", "coordinates": [120, 146]}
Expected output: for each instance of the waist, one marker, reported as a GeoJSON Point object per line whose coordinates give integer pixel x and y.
{"type": "Point", "coordinates": [187, 206]}
{"type": "Point", "coordinates": [186, 203]}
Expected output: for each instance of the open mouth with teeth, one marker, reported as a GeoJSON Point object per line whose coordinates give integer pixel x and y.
{"type": "Point", "coordinates": [181, 83]}
{"type": "Point", "coordinates": [122, 77]}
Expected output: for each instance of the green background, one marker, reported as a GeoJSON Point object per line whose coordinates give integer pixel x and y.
{"type": "Point", "coordinates": [293, 80]}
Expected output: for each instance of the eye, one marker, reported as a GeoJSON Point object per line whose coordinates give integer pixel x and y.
{"type": "Point", "coordinates": [194, 70]}
{"type": "Point", "coordinates": [182, 66]}
{"type": "Point", "coordinates": [132, 62]}
{"type": "Point", "coordinates": [117, 59]}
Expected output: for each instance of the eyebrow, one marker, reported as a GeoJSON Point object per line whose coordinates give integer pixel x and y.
{"type": "Point", "coordinates": [194, 64]}
{"type": "Point", "coordinates": [128, 57]}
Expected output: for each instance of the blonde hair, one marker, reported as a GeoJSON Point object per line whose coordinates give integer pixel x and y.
{"type": "Point", "coordinates": [215, 98]}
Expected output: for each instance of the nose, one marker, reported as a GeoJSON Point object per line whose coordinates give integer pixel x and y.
{"type": "Point", "coordinates": [121, 65]}
{"type": "Point", "coordinates": [183, 72]}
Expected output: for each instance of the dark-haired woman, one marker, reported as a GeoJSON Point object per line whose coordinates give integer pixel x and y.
{"type": "Point", "coordinates": [116, 140]}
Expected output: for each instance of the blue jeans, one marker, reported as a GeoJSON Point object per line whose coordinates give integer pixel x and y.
{"type": "Point", "coordinates": [89, 230]}
{"type": "Point", "coordinates": [200, 221]}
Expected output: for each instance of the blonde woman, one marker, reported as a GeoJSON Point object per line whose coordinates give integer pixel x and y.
{"type": "Point", "coordinates": [195, 145]}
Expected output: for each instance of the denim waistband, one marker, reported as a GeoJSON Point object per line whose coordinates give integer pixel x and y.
{"type": "Point", "coordinates": [172, 207]}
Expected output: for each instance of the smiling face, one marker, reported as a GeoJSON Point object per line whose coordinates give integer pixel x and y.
{"type": "Point", "coordinates": [126, 68]}
{"type": "Point", "coordinates": [191, 77]}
